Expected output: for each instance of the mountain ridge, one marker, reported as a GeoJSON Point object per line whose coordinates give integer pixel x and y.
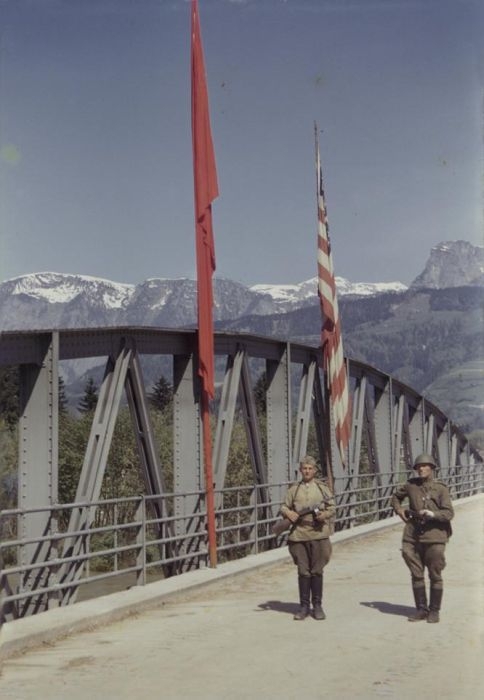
{"type": "Point", "coordinates": [422, 334]}
{"type": "Point", "coordinates": [64, 300]}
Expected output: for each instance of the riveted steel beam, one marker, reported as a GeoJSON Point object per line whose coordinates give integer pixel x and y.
{"type": "Point", "coordinates": [188, 468]}
{"type": "Point", "coordinates": [279, 417]}
{"type": "Point", "coordinates": [225, 421]}
{"type": "Point", "coordinates": [358, 423]}
{"type": "Point", "coordinates": [94, 466]}
{"type": "Point", "coordinates": [251, 422]}
{"type": "Point", "coordinates": [385, 436]}
{"type": "Point", "coordinates": [303, 415]}
{"type": "Point", "coordinates": [146, 445]}
{"type": "Point", "coordinates": [38, 461]}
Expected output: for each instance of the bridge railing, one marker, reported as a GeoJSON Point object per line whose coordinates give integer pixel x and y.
{"type": "Point", "coordinates": [136, 540]}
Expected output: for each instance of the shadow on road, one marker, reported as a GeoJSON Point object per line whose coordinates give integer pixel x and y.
{"type": "Point", "coordinates": [279, 606]}
{"type": "Point", "coordinates": [389, 608]}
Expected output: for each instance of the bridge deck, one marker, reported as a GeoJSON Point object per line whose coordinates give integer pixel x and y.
{"type": "Point", "coordinates": [236, 637]}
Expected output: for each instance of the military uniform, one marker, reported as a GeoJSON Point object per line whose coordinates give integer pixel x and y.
{"type": "Point", "coordinates": [308, 540]}
{"type": "Point", "coordinates": [302, 496]}
{"type": "Point", "coordinates": [424, 538]}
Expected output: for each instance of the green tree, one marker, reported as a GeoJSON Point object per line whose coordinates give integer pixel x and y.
{"type": "Point", "coordinates": [260, 390]}
{"type": "Point", "coordinates": [8, 466]}
{"type": "Point", "coordinates": [9, 396]}
{"type": "Point", "coordinates": [89, 401]}
{"type": "Point", "coordinates": [161, 395]}
{"type": "Point", "coordinates": [62, 396]}
{"type": "Point", "coordinates": [73, 437]}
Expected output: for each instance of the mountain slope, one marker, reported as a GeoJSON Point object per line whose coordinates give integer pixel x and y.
{"type": "Point", "coordinates": [416, 336]}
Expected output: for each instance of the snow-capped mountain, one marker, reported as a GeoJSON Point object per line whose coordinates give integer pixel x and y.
{"type": "Point", "coordinates": [307, 291]}
{"type": "Point", "coordinates": [58, 288]}
{"type": "Point", "coordinates": [54, 300]}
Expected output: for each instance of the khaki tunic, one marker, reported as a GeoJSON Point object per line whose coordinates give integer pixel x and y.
{"type": "Point", "coordinates": [309, 495]}
{"type": "Point", "coordinates": [428, 494]}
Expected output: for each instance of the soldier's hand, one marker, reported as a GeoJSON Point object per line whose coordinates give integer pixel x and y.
{"type": "Point", "coordinates": [321, 516]}
{"type": "Point", "coordinates": [292, 515]}
{"type": "Point", "coordinates": [401, 515]}
{"type": "Point", "coordinates": [425, 513]}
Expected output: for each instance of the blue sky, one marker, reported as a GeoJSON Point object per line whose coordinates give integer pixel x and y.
{"type": "Point", "coordinates": [95, 141]}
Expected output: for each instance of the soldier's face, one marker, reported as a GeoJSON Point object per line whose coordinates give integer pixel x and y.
{"type": "Point", "coordinates": [307, 472]}
{"type": "Point", "coordinates": [424, 471]}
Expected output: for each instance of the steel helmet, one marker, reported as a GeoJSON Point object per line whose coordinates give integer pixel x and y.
{"type": "Point", "coordinates": [425, 459]}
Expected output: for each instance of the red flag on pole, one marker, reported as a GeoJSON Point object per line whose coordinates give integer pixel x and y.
{"type": "Point", "coordinates": [331, 341]}
{"type": "Point", "coordinates": [206, 190]}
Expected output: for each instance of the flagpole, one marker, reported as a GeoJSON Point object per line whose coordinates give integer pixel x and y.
{"type": "Point", "coordinates": [208, 473]}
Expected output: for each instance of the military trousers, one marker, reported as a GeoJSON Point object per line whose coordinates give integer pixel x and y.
{"type": "Point", "coordinates": [310, 556]}
{"type": "Point", "coordinates": [418, 556]}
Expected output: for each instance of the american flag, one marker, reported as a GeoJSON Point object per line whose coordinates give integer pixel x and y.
{"type": "Point", "coordinates": [331, 342]}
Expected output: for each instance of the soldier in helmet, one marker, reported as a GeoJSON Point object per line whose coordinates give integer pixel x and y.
{"type": "Point", "coordinates": [427, 530]}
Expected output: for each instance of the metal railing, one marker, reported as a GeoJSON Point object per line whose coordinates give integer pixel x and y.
{"type": "Point", "coordinates": [136, 540]}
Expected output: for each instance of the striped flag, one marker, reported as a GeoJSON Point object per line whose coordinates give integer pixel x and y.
{"type": "Point", "coordinates": [331, 341]}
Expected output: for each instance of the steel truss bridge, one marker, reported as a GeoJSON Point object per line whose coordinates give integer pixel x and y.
{"type": "Point", "coordinates": [48, 550]}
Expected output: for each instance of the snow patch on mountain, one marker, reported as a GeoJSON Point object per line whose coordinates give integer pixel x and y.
{"type": "Point", "coordinates": [309, 289]}
{"type": "Point", "coordinates": [59, 288]}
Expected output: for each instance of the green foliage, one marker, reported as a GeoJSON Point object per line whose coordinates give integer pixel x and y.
{"type": "Point", "coordinates": [161, 395]}
{"type": "Point", "coordinates": [123, 475]}
{"type": "Point", "coordinates": [9, 396]}
{"type": "Point", "coordinates": [8, 465]}
{"type": "Point", "coordinates": [162, 423]}
{"type": "Point", "coordinates": [260, 390]}
{"type": "Point", "coordinates": [89, 401]}
{"type": "Point", "coordinates": [239, 467]}
{"type": "Point", "coordinates": [62, 396]}
{"type": "Point", "coordinates": [73, 437]}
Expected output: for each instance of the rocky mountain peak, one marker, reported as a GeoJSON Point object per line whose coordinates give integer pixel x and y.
{"type": "Point", "coordinates": [452, 264]}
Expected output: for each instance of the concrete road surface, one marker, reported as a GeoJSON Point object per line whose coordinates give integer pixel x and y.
{"type": "Point", "coordinates": [236, 638]}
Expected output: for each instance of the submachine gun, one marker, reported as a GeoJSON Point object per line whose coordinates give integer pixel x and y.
{"type": "Point", "coordinates": [416, 515]}
{"type": "Point", "coordinates": [418, 519]}
{"type": "Point", "coordinates": [284, 523]}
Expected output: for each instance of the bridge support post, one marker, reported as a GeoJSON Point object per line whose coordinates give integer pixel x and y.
{"type": "Point", "coordinates": [38, 463]}
{"type": "Point", "coordinates": [187, 455]}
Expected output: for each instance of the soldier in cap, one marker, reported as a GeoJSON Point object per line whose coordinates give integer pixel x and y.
{"type": "Point", "coordinates": [309, 506]}
{"type": "Point", "coordinates": [427, 530]}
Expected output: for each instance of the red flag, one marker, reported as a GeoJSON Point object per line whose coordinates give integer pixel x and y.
{"type": "Point", "coordinates": [206, 190]}
{"type": "Point", "coordinates": [331, 341]}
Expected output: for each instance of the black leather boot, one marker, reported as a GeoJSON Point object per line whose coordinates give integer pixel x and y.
{"type": "Point", "coordinates": [304, 583]}
{"type": "Point", "coordinates": [435, 603]}
{"type": "Point", "coordinates": [317, 596]}
{"type": "Point", "coordinates": [421, 604]}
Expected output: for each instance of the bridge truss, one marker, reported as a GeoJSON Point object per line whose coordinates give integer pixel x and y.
{"type": "Point", "coordinates": [391, 424]}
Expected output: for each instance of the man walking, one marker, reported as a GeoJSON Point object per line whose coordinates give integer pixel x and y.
{"type": "Point", "coordinates": [310, 507]}
{"type": "Point", "coordinates": [427, 530]}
